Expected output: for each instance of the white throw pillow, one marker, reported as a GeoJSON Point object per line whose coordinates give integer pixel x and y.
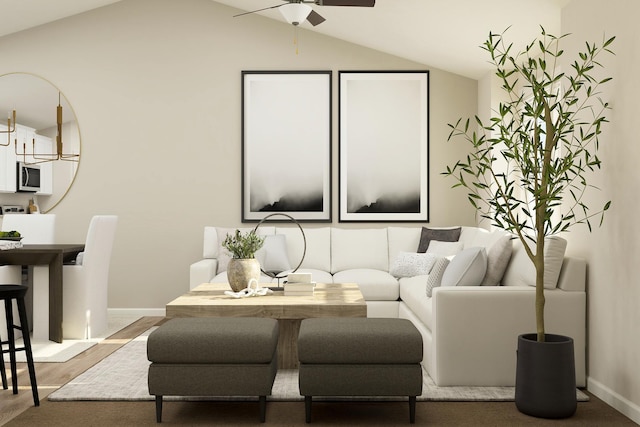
{"type": "Point", "coordinates": [497, 260]}
{"type": "Point", "coordinates": [444, 248]}
{"type": "Point", "coordinates": [521, 270]}
{"type": "Point", "coordinates": [273, 254]}
{"type": "Point", "coordinates": [409, 264]}
{"type": "Point", "coordinates": [435, 276]}
{"type": "Point", "coordinates": [467, 268]}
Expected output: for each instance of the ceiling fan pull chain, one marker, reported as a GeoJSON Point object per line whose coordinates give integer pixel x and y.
{"type": "Point", "coordinates": [295, 37]}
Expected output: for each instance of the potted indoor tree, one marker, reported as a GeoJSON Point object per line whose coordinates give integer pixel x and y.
{"type": "Point", "coordinates": [527, 173]}
{"type": "Point", "coordinates": [243, 266]}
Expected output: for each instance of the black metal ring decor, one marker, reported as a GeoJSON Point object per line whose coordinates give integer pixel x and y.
{"type": "Point", "coordinates": [304, 239]}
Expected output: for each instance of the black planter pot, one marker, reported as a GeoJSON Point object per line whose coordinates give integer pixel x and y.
{"type": "Point", "coordinates": [546, 376]}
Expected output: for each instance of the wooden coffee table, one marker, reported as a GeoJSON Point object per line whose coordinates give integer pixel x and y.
{"type": "Point", "coordinates": [328, 300]}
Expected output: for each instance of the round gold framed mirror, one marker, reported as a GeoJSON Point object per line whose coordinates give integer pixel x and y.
{"type": "Point", "coordinates": [43, 114]}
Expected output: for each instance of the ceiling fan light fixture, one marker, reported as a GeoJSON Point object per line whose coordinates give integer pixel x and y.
{"type": "Point", "coordinates": [295, 13]}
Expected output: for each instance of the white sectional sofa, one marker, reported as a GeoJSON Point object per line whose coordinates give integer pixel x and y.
{"type": "Point", "coordinates": [469, 331]}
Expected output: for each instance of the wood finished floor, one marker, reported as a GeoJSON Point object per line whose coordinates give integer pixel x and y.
{"type": "Point", "coordinates": [18, 410]}
{"type": "Point", "coordinates": [52, 376]}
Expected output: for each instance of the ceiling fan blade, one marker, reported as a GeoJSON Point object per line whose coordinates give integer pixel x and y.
{"type": "Point", "coordinates": [314, 18]}
{"type": "Point", "coordinates": [360, 3]}
{"type": "Point", "coordinates": [257, 10]}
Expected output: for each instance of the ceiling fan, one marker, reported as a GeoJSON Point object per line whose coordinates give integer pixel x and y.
{"type": "Point", "coordinates": [296, 11]}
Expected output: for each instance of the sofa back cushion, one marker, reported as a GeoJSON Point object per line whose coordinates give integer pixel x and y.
{"type": "Point", "coordinates": [402, 239]}
{"type": "Point", "coordinates": [359, 248]}
{"type": "Point", "coordinates": [476, 236]}
{"type": "Point", "coordinates": [318, 255]}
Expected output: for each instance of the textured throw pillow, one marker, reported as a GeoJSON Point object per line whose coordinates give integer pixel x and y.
{"type": "Point", "coordinates": [435, 276]}
{"type": "Point", "coordinates": [273, 254]}
{"type": "Point", "coordinates": [410, 264]}
{"type": "Point", "coordinates": [497, 260]}
{"type": "Point", "coordinates": [447, 249]}
{"type": "Point", "coordinates": [441, 234]}
{"type": "Point", "coordinates": [467, 268]}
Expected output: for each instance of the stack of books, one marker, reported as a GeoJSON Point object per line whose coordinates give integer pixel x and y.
{"type": "Point", "coordinates": [299, 284]}
{"type": "Point", "coordinates": [299, 289]}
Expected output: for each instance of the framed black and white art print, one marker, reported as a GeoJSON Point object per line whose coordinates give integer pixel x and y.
{"type": "Point", "coordinates": [384, 146]}
{"type": "Point", "coordinates": [286, 144]}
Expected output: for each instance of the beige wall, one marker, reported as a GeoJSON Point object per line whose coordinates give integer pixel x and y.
{"type": "Point", "coordinates": [155, 85]}
{"type": "Point", "coordinates": [612, 251]}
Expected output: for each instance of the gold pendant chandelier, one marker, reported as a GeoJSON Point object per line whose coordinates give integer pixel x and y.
{"type": "Point", "coordinates": [9, 131]}
{"type": "Point", "coordinates": [35, 157]}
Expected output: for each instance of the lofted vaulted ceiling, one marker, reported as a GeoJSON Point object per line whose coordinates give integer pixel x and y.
{"type": "Point", "coordinates": [440, 33]}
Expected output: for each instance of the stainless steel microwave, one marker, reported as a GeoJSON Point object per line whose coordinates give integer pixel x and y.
{"type": "Point", "coordinates": [28, 177]}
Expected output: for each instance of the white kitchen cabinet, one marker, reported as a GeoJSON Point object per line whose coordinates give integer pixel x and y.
{"type": "Point", "coordinates": [7, 163]}
{"type": "Point", "coordinates": [44, 145]}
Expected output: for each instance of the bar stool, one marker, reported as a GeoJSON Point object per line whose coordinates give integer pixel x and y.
{"type": "Point", "coordinates": [8, 293]}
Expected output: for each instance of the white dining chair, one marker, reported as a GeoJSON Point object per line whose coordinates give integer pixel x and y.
{"type": "Point", "coordinates": [85, 284]}
{"type": "Point", "coordinates": [34, 229]}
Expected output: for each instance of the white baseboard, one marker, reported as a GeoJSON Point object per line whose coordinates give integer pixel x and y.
{"type": "Point", "coordinates": [136, 312]}
{"type": "Point", "coordinates": [613, 399]}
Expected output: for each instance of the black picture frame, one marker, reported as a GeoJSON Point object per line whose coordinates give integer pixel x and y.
{"type": "Point", "coordinates": [286, 144]}
{"type": "Point", "coordinates": [383, 146]}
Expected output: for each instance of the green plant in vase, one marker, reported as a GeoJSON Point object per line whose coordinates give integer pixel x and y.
{"type": "Point", "coordinates": [243, 245]}
{"type": "Point", "coordinates": [243, 266]}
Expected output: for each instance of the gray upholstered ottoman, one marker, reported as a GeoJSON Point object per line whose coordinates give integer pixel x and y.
{"type": "Point", "coordinates": [208, 356]}
{"type": "Point", "coordinates": [359, 357]}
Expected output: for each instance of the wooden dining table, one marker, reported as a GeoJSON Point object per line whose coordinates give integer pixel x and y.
{"type": "Point", "coordinates": [54, 256]}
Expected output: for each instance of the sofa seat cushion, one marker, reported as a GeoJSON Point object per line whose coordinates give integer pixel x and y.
{"type": "Point", "coordinates": [206, 340]}
{"type": "Point", "coordinates": [413, 292]}
{"type": "Point", "coordinates": [356, 341]}
{"type": "Point", "coordinates": [375, 285]}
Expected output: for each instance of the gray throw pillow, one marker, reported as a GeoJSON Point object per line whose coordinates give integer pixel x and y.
{"type": "Point", "coordinates": [441, 234]}
{"type": "Point", "coordinates": [497, 260]}
{"type": "Point", "coordinates": [466, 269]}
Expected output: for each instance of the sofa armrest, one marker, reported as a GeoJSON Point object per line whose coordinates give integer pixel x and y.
{"type": "Point", "coordinates": [475, 331]}
{"type": "Point", "coordinates": [202, 272]}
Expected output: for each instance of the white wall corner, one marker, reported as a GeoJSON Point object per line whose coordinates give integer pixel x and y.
{"type": "Point", "coordinates": [613, 399]}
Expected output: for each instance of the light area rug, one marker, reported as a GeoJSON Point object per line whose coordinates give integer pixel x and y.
{"type": "Point", "coordinates": [52, 352]}
{"type": "Point", "coordinates": [123, 376]}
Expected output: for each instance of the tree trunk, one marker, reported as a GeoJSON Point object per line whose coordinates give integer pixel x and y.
{"type": "Point", "coordinates": [539, 264]}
